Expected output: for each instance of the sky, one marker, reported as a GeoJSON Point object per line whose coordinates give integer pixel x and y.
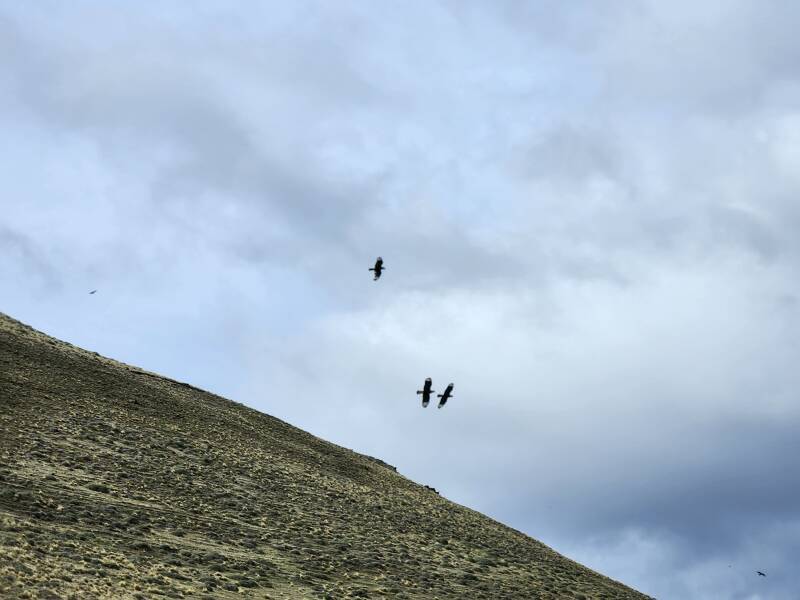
{"type": "Point", "coordinates": [588, 213]}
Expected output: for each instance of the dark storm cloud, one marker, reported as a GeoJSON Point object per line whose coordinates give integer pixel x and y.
{"type": "Point", "coordinates": [701, 496]}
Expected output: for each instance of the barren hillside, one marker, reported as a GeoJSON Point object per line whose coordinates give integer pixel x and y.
{"type": "Point", "coordinates": [118, 483]}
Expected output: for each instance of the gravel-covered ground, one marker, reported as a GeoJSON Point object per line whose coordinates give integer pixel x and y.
{"type": "Point", "coordinates": [118, 483]}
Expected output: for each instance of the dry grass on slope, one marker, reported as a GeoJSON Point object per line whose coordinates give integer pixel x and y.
{"type": "Point", "coordinates": [118, 483]}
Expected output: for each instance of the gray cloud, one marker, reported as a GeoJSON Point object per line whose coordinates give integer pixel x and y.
{"type": "Point", "coordinates": [587, 213]}
{"type": "Point", "coordinates": [22, 258]}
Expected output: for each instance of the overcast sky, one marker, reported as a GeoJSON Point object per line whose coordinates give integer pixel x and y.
{"type": "Point", "coordinates": [588, 211]}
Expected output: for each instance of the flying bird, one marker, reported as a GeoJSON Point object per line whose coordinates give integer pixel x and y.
{"type": "Point", "coordinates": [378, 268]}
{"type": "Point", "coordinates": [426, 392]}
{"type": "Point", "coordinates": [448, 391]}
{"type": "Point", "coordinates": [760, 574]}
{"type": "Point", "coordinates": [92, 292]}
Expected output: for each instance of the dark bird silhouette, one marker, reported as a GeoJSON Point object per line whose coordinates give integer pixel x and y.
{"type": "Point", "coordinates": [448, 391]}
{"type": "Point", "coordinates": [92, 292]}
{"type": "Point", "coordinates": [378, 268]}
{"type": "Point", "coordinates": [426, 392]}
{"type": "Point", "coordinates": [760, 574]}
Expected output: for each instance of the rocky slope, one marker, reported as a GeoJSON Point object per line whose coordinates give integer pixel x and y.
{"type": "Point", "coordinates": [118, 483]}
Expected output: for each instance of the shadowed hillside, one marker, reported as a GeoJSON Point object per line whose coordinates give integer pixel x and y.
{"type": "Point", "coordinates": [122, 484]}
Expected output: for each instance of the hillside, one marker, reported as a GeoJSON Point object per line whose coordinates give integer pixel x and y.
{"type": "Point", "coordinates": [122, 484]}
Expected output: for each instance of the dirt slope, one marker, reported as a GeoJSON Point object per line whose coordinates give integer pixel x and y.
{"type": "Point", "coordinates": [118, 483]}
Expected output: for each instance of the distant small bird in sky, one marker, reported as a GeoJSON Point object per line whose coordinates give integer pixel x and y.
{"type": "Point", "coordinates": [377, 268]}
{"type": "Point", "coordinates": [761, 574]}
{"type": "Point", "coordinates": [92, 292]}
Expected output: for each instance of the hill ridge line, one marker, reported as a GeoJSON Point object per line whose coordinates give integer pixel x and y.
{"type": "Point", "coordinates": [185, 491]}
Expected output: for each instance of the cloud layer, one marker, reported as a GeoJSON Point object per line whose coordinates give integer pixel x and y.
{"type": "Point", "coordinates": [588, 218]}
